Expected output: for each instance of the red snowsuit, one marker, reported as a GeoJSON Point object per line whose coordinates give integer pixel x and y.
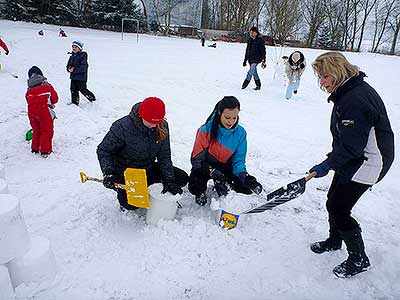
{"type": "Point", "coordinates": [3, 45]}
{"type": "Point", "coordinates": [40, 98]}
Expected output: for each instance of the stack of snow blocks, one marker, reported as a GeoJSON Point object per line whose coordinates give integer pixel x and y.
{"type": "Point", "coordinates": [23, 259]}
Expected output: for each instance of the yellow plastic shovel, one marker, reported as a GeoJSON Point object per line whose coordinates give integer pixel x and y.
{"type": "Point", "coordinates": [135, 186]}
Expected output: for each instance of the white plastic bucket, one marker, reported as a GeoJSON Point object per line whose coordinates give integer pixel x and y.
{"type": "Point", "coordinates": [162, 206]}
{"type": "Point", "coordinates": [161, 209]}
{"type": "Point", "coordinates": [14, 237]}
{"type": "Point", "coordinates": [6, 289]}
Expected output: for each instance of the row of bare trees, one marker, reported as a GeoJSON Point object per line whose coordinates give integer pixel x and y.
{"type": "Point", "coordinates": [333, 24]}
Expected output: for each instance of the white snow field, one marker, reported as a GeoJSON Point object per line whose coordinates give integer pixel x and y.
{"type": "Point", "coordinates": [102, 253]}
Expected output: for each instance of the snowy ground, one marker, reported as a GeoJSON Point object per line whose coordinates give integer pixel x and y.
{"type": "Point", "coordinates": [104, 254]}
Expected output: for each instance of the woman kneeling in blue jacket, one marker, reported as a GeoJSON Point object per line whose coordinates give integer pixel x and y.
{"type": "Point", "coordinates": [219, 153]}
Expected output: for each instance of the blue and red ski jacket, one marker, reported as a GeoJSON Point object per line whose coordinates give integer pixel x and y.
{"type": "Point", "coordinates": [228, 151]}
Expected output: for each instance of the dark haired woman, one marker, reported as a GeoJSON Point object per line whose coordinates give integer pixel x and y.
{"type": "Point", "coordinates": [137, 141]}
{"type": "Point", "coordinates": [219, 153]}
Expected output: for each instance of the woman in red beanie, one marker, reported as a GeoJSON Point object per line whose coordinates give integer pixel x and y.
{"type": "Point", "coordinates": [140, 140]}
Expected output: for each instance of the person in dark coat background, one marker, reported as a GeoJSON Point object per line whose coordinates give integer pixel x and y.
{"type": "Point", "coordinates": [362, 153]}
{"type": "Point", "coordinates": [77, 66]}
{"type": "Point", "coordinates": [140, 140]}
{"type": "Point", "coordinates": [255, 54]}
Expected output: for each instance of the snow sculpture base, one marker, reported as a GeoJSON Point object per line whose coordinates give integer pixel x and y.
{"type": "Point", "coordinates": [14, 237]}
{"type": "Point", "coordinates": [162, 206]}
{"type": "Point", "coordinates": [3, 186]}
{"type": "Point", "coordinates": [37, 265]}
{"type": "Point", "coordinates": [6, 289]}
{"type": "Point", "coordinates": [2, 172]}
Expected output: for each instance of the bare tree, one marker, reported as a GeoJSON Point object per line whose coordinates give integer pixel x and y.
{"type": "Point", "coordinates": [314, 15]}
{"type": "Point", "coordinates": [367, 7]}
{"type": "Point", "coordinates": [382, 14]}
{"type": "Point", "coordinates": [282, 18]}
{"type": "Point", "coordinates": [395, 26]}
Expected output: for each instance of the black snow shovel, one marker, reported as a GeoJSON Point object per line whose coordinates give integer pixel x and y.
{"type": "Point", "coordinates": [281, 195]}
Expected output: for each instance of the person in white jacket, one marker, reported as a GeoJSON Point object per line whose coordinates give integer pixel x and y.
{"type": "Point", "coordinates": [294, 68]}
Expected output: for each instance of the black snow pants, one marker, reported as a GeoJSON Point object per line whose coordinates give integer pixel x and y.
{"type": "Point", "coordinates": [80, 86]}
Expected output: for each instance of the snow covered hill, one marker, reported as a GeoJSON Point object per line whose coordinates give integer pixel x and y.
{"type": "Point", "coordinates": [105, 254]}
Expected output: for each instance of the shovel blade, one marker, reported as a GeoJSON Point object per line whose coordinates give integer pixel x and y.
{"type": "Point", "coordinates": [281, 195]}
{"type": "Point", "coordinates": [136, 187]}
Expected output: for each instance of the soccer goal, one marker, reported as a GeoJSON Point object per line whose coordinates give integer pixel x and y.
{"type": "Point", "coordinates": [137, 28]}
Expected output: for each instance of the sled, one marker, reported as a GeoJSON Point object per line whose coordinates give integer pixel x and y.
{"type": "Point", "coordinates": [135, 186]}
{"type": "Point", "coordinates": [269, 200]}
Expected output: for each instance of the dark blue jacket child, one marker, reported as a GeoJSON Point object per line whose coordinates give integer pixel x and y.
{"type": "Point", "coordinates": [77, 66]}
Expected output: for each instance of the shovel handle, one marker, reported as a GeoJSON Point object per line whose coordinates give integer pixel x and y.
{"type": "Point", "coordinates": [311, 175]}
{"type": "Point", "coordinates": [85, 178]}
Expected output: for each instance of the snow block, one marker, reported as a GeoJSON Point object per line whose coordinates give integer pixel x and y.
{"type": "Point", "coordinates": [3, 186]}
{"type": "Point", "coordinates": [37, 265]}
{"type": "Point", "coordinates": [162, 206]}
{"type": "Point", "coordinates": [6, 289]}
{"type": "Point", "coordinates": [14, 237]}
{"type": "Point", "coordinates": [2, 172]}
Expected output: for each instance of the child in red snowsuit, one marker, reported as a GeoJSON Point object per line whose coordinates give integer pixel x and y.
{"type": "Point", "coordinates": [41, 98]}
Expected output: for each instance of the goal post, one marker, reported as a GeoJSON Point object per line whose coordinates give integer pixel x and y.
{"type": "Point", "coordinates": [137, 28]}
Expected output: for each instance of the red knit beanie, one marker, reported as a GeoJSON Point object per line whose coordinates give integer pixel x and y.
{"type": "Point", "coordinates": [152, 110]}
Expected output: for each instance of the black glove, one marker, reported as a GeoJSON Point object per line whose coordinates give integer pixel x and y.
{"type": "Point", "coordinates": [7, 52]}
{"type": "Point", "coordinates": [217, 175]}
{"type": "Point", "coordinates": [244, 64]}
{"type": "Point", "coordinates": [221, 188]}
{"type": "Point", "coordinates": [172, 188]}
{"type": "Point", "coordinates": [251, 183]}
{"type": "Point", "coordinates": [110, 179]}
{"type": "Point", "coordinates": [321, 169]}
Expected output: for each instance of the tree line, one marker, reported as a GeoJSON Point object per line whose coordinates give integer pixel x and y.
{"type": "Point", "coordinates": [327, 24]}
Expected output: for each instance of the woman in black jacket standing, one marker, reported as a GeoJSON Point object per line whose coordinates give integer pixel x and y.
{"type": "Point", "coordinates": [362, 153]}
{"type": "Point", "coordinates": [140, 140]}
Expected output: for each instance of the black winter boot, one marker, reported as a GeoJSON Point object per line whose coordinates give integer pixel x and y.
{"type": "Point", "coordinates": [357, 261]}
{"type": "Point", "coordinates": [332, 243]}
{"type": "Point", "coordinates": [245, 84]}
{"type": "Point", "coordinates": [258, 84]}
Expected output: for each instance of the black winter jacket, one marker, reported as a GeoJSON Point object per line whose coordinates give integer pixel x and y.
{"type": "Point", "coordinates": [255, 50]}
{"type": "Point", "coordinates": [363, 141]}
{"type": "Point", "coordinates": [78, 60]}
{"type": "Point", "coordinates": [130, 144]}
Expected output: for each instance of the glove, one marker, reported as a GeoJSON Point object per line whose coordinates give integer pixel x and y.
{"type": "Point", "coordinates": [251, 183]}
{"type": "Point", "coordinates": [110, 179]}
{"type": "Point", "coordinates": [7, 52]}
{"type": "Point", "coordinates": [221, 188]}
{"type": "Point", "coordinates": [321, 169]}
{"type": "Point", "coordinates": [244, 64]}
{"type": "Point", "coordinates": [217, 175]}
{"type": "Point", "coordinates": [172, 188]}
{"type": "Point", "coordinates": [263, 65]}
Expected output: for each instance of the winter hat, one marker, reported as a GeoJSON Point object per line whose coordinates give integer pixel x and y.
{"type": "Point", "coordinates": [79, 44]}
{"type": "Point", "coordinates": [296, 57]}
{"type": "Point", "coordinates": [152, 110]}
{"type": "Point", "coordinates": [34, 70]}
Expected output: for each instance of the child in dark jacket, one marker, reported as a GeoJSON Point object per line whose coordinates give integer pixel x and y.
{"type": "Point", "coordinates": [77, 66]}
{"type": "Point", "coordinates": [41, 98]}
